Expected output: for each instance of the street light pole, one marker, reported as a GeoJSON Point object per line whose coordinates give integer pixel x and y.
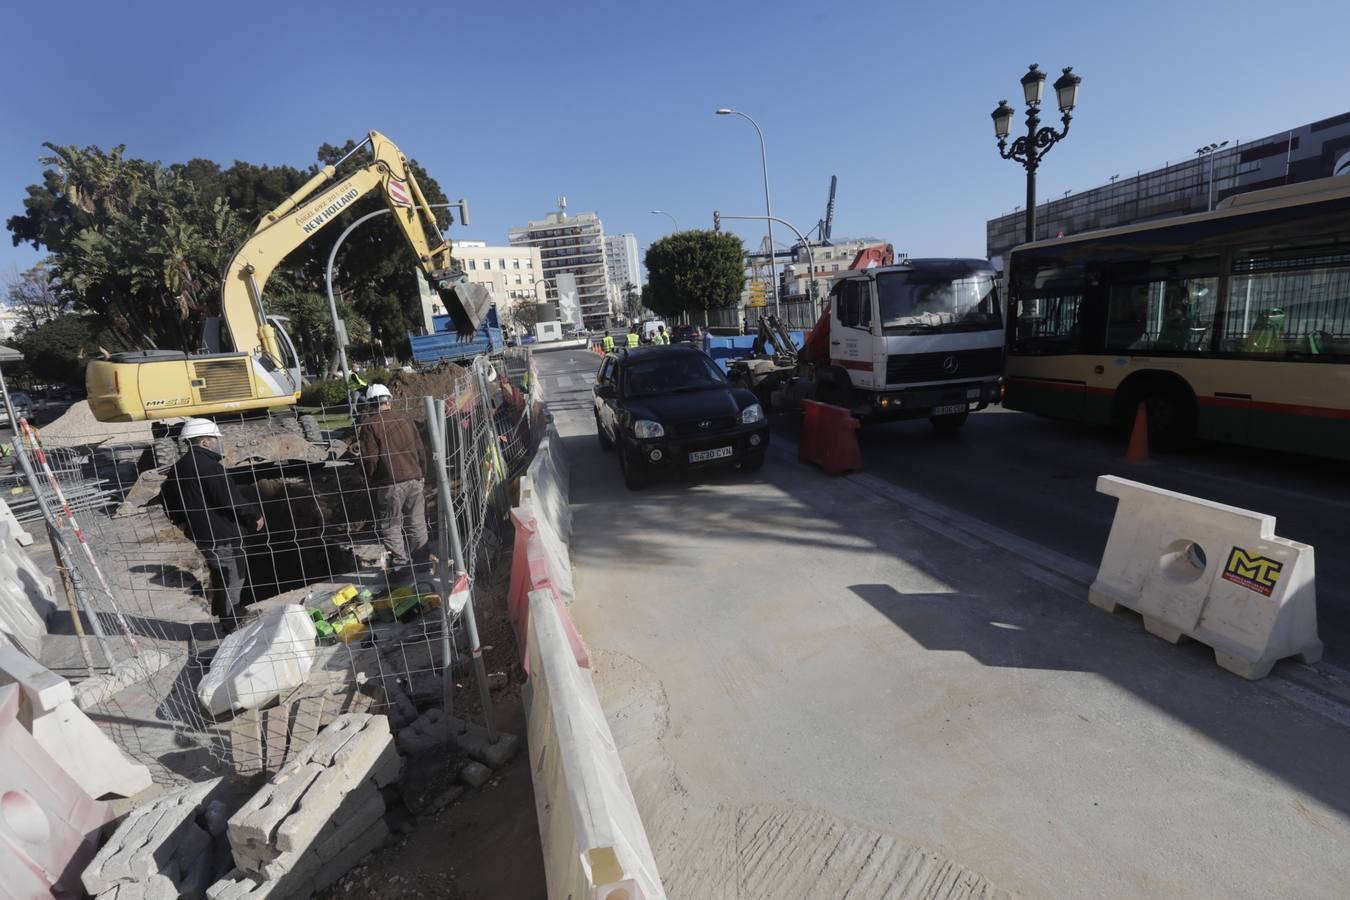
{"type": "Point", "coordinates": [662, 212]}
{"type": "Point", "coordinates": [1030, 149]}
{"type": "Point", "coordinates": [768, 205]}
{"type": "Point", "coordinates": [810, 257]}
{"type": "Point", "coordinates": [1209, 150]}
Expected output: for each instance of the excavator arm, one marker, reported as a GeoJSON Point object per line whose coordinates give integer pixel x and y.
{"type": "Point", "coordinates": [311, 208]}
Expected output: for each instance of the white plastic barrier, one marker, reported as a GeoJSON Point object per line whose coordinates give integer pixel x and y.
{"type": "Point", "coordinates": [260, 662]}
{"type": "Point", "coordinates": [544, 485]}
{"type": "Point", "coordinates": [26, 593]}
{"type": "Point", "coordinates": [1211, 572]}
{"type": "Point", "coordinates": [49, 713]}
{"type": "Point", "coordinates": [593, 841]}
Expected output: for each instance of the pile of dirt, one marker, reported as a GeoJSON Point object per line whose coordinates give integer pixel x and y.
{"type": "Point", "coordinates": [443, 381]}
{"type": "Point", "coordinates": [79, 427]}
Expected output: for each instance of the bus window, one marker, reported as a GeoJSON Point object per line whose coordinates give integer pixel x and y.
{"type": "Point", "coordinates": [1164, 316]}
{"type": "Point", "coordinates": [1296, 306]}
{"type": "Point", "coordinates": [1048, 324]}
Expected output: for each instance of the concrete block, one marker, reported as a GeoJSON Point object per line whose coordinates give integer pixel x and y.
{"type": "Point", "coordinates": [256, 821]}
{"type": "Point", "coordinates": [216, 815]}
{"type": "Point", "coordinates": [43, 689]}
{"type": "Point", "coordinates": [388, 768]}
{"type": "Point", "coordinates": [336, 789]}
{"type": "Point", "coordinates": [370, 840]}
{"type": "Point", "coordinates": [1215, 573]}
{"type": "Point", "coordinates": [475, 774]}
{"type": "Point", "coordinates": [260, 662]}
{"type": "Point", "coordinates": [149, 838]}
{"type": "Point", "coordinates": [159, 887]}
{"type": "Point", "coordinates": [333, 738]}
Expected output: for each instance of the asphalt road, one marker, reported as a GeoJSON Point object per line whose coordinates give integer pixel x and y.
{"type": "Point", "coordinates": [1037, 478]}
{"type": "Point", "coordinates": [828, 686]}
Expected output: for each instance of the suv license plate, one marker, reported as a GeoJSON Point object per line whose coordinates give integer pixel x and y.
{"type": "Point", "coordinates": [949, 410]}
{"type": "Point", "coordinates": [705, 455]}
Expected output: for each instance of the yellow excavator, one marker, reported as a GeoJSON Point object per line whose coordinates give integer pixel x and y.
{"type": "Point", "coordinates": [247, 361]}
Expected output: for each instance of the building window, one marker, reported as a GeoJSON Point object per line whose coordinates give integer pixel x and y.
{"type": "Point", "coordinates": [529, 264]}
{"type": "Point", "coordinates": [473, 265]}
{"type": "Point", "coordinates": [501, 264]}
{"type": "Point", "coordinates": [515, 263]}
{"type": "Point", "coordinates": [487, 264]}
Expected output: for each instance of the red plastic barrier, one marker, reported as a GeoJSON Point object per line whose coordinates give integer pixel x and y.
{"type": "Point", "coordinates": [829, 438]}
{"type": "Point", "coordinates": [531, 571]}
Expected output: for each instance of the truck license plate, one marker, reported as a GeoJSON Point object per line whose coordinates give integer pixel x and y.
{"type": "Point", "coordinates": [949, 410]}
{"type": "Point", "coordinates": [705, 455]}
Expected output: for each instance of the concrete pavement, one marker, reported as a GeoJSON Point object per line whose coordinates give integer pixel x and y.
{"type": "Point", "coordinates": [829, 687]}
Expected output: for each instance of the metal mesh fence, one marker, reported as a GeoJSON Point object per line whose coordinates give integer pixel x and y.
{"type": "Point", "coordinates": [137, 569]}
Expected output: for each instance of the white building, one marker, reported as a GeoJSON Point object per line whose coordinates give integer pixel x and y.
{"type": "Point", "coordinates": [510, 274]}
{"type": "Point", "coordinates": [621, 260]}
{"type": "Point", "coordinates": [830, 259]}
{"type": "Point", "coordinates": [576, 245]}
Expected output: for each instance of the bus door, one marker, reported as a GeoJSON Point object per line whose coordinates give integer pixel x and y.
{"type": "Point", "coordinates": [1050, 376]}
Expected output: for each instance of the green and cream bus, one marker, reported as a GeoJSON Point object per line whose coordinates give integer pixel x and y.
{"type": "Point", "coordinates": [1231, 326]}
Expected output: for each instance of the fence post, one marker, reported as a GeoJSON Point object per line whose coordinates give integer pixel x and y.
{"type": "Point", "coordinates": [450, 532]}
{"type": "Point", "coordinates": [435, 410]}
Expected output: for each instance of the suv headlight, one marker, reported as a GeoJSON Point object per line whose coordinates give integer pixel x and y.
{"type": "Point", "coordinates": [646, 428]}
{"type": "Point", "coordinates": [752, 414]}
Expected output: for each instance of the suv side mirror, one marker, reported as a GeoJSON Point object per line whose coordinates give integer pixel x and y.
{"type": "Point", "coordinates": [606, 391]}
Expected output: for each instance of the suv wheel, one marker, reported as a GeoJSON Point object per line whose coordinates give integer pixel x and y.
{"type": "Point", "coordinates": [635, 476]}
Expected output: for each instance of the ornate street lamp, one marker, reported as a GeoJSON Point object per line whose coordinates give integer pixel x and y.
{"type": "Point", "coordinates": [1031, 148]}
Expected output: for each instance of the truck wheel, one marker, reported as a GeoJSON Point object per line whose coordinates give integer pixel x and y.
{"type": "Point", "coordinates": [951, 423]}
{"type": "Point", "coordinates": [309, 427]}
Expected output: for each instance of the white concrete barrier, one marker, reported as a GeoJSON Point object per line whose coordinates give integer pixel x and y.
{"type": "Point", "coordinates": [49, 712]}
{"type": "Point", "coordinates": [593, 841]}
{"type": "Point", "coordinates": [26, 593]}
{"type": "Point", "coordinates": [544, 485]}
{"type": "Point", "coordinates": [1211, 572]}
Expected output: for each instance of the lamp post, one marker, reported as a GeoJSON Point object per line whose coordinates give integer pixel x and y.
{"type": "Point", "coordinates": [1208, 150]}
{"type": "Point", "coordinates": [1031, 148]}
{"type": "Point", "coordinates": [810, 257]}
{"type": "Point", "coordinates": [662, 212]}
{"type": "Point", "coordinates": [768, 205]}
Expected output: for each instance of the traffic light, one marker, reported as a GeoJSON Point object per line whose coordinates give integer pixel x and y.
{"type": "Point", "coordinates": [717, 221]}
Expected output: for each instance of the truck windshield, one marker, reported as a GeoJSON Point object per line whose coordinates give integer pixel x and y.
{"type": "Point", "coordinates": [912, 304]}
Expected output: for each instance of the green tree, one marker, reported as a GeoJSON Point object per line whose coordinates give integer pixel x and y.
{"type": "Point", "coordinates": [33, 296]}
{"type": "Point", "coordinates": [54, 350]}
{"type": "Point", "coordinates": [694, 271]}
{"type": "Point", "coordinates": [310, 326]}
{"type": "Point", "coordinates": [143, 247]}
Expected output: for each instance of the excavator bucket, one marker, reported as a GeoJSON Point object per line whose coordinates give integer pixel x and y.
{"type": "Point", "coordinates": [467, 305]}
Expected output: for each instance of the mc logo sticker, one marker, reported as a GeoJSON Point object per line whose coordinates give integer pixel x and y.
{"type": "Point", "coordinates": [1252, 571]}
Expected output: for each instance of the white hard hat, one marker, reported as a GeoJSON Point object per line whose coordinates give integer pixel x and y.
{"type": "Point", "coordinates": [199, 428]}
{"type": "Point", "coordinates": [377, 392]}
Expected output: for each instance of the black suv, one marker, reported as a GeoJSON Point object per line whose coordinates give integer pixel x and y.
{"type": "Point", "coordinates": [685, 334]}
{"type": "Point", "coordinates": [670, 408]}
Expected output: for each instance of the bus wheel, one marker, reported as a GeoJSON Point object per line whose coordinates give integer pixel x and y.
{"type": "Point", "coordinates": [1171, 420]}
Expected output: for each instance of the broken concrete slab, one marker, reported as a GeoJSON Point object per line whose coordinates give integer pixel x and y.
{"type": "Point", "coordinates": [151, 838]}
{"type": "Point", "coordinates": [475, 774]}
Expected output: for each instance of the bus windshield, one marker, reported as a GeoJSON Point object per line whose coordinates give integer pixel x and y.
{"type": "Point", "coordinates": [912, 304]}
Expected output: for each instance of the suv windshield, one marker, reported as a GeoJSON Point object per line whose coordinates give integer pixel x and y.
{"type": "Point", "coordinates": [910, 303]}
{"type": "Point", "coordinates": [667, 374]}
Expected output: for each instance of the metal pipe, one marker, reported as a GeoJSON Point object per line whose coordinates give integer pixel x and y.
{"type": "Point", "coordinates": [470, 623]}
{"type": "Point", "coordinates": [435, 412]}
{"type": "Point", "coordinates": [768, 204]}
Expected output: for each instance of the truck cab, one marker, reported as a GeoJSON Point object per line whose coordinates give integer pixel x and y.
{"type": "Point", "coordinates": [921, 338]}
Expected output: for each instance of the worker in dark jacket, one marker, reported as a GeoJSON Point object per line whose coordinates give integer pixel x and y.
{"type": "Point", "coordinates": [201, 499]}
{"type": "Point", "coordinates": [391, 453]}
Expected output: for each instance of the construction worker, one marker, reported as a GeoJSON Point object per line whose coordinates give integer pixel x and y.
{"type": "Point", "coordinates": [661, 337]}
{"type": "Point", "coordinates": [608, 342]}
{"type": "Point", "coordinates": [633, 337]}
{"type": "Point", "coordinates": [200, 498]}
{"type": "Point", "coordinates": [391, 454]}
{"type": "Point", "coordinates": [356, 385]}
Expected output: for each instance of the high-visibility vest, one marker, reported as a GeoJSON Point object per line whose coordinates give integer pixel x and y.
{"type": "Point", "coordinates": [632, 339]}
{"type": "Point", "coordinates": [662, 337]}
{"type": "Point", "coordinates": [608, 343]}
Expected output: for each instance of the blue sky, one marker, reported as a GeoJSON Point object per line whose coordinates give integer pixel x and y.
{"type": "Point", "coordinates": [612, 104]}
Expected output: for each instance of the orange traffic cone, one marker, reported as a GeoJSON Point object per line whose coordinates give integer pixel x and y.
{"type": "Point", "coordinates": [1138, 449]}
